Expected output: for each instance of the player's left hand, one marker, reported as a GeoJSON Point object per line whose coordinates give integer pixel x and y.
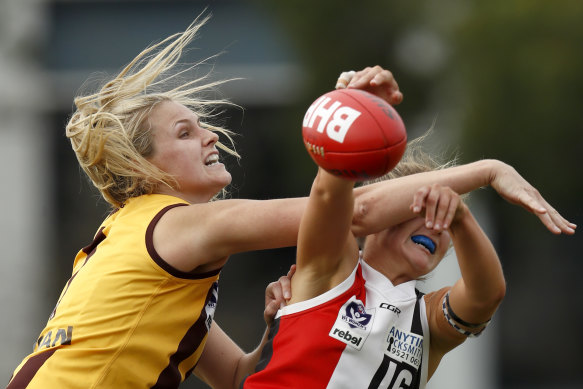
{"type": "Point", "coordinates": [277, 294]}
{"type": "Point", "coordinates": [440, 205]}
{"type": "Point", "coordinates": [375, 80]}
{"type": "Point", "coordinates": [516, 190]}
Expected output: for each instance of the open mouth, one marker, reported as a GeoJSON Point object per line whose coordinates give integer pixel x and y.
{"type": "Point", "coordinates": [212, 160]}
{"type": "Point", "coordinates": [424, 241]}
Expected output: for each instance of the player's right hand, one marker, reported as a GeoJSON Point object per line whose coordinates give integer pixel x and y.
{"type": "Point", "coordinates": [277, 295]}
{"type": "Point", "coordinates": [375, 80]}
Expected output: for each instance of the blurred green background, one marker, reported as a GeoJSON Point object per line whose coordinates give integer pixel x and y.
{"type": "Point", "coordinates": [501, 79]}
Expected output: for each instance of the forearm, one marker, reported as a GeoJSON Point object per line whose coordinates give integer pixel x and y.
{"type": "Point", "coordinates": [476, 296]}
{"type": "Point", "coordinates": [381, 205]}
{"type": "Point", "coordinates": [223, 364]}
{"type": "Point", "coordinates": [323, 239]}
{"type": "Point", "coordinates": [249, 361]}
{"type": "Point", "coordinates": [217, 365]}
{"type": "Point", "coordinates": [327, 218]}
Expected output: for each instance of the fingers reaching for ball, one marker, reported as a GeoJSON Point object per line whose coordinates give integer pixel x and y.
{"type": "Point", "coordinates": [375, 80]}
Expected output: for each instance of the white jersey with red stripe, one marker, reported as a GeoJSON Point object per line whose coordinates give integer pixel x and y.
{"type": "Point", "coordinates": [364, 333]}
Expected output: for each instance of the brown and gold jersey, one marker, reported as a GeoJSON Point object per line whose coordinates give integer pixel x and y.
{"type": "Point", "coordinates": [125, 318]}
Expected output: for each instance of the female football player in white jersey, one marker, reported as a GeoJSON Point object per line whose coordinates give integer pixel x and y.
{"type": "Point", "coordinates": [138, 308]}
{"type": "Point", "coordinates": [355, 319]}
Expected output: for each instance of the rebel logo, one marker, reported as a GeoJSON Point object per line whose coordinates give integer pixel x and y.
{"type": "Point", "coordinates": [347, 337]}
{"type": "Point", "coordinates": [353, 323]}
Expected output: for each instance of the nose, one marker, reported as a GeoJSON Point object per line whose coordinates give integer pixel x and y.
{"type": "Point", "coordinates": [209, 137]}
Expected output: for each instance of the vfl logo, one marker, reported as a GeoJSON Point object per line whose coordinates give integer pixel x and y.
{"type": "Point", "coordinates": [334, 118]}
{"type": "Point", "coordinates": [353, 323]}
{"type": "Point", "coordinates": [211, 304]}
{"type": "Point", "coordinates": [355, 316]}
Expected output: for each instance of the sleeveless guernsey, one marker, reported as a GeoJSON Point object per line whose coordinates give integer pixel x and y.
{"type": "Point", "coordinates": [125, 319]}
{"type": "Point", "coordinates": [364, 333]}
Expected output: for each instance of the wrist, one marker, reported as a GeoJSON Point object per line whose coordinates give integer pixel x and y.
{"type": "Point", "coordinates": [462, 217]}
{"type": "Point", "coordinates": [492, 167]}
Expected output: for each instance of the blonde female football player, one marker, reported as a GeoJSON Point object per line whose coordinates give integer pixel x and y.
{"type": "Point", "coordinates": [139, 305]}
{"type": "Point", "coordinates": [137, 311]}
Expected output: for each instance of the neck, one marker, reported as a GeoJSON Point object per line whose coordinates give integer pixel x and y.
{"type": "Point", "coordinates": [382, 260]}
{"type": "Point", "coordinates": [190, 198]}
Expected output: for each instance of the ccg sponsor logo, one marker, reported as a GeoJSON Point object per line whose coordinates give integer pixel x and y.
{"type": "Point", "coordinates": [353, 323]}
{"type": "Point", "coordinates": [391, 308]}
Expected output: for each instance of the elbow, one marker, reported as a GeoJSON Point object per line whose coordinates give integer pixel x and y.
{"type": "Point", "coordinates": [500, 293]}
{"type": "Point", "coordinates": [360, 219]}
{"type": "Point", "coordinates": [489, 300]}
{"type": "Point", "coordinates": [496, 295]}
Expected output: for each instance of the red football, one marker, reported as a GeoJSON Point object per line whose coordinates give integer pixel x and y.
{"type": "Point", "coordinates": [354, 134]}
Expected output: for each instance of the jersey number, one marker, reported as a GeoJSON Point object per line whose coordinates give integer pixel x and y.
{"type": "Point", "coordinates": [385, 376]}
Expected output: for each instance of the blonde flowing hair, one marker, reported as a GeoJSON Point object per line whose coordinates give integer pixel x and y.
{"type": "Point", "coordinates": [417, 160]}
{"type": "Point", "coordinates": [109, 130]}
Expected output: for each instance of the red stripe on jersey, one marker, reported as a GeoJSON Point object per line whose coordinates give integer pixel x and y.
{"type": "Point", "coordinates": [304, 355]}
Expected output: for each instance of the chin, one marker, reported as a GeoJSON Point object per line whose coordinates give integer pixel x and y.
{"type": "Point", "coordinates": [223, 182]}
{"type": "Point", "coordinates": [226, 181]}
{"type": "Point", "coordinates": [423, 266]}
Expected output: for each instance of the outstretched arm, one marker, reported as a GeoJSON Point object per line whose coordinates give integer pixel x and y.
{"type": "Point", "coordinates": [384, 204]}
{"type": "Point", "coordinates": [233, 226]}
{"type": "Point", "coordinates": [391, 199]}
{"type": "Point", "coordinates": [327, 251]}
{"type": "Point", "coordinates": [477, 294]}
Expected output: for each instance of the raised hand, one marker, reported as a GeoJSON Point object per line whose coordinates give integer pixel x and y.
{"type": "Point", "coordinates": [375, 80]}
{"type": "Point", "coordinates": [511, 186]}
{"type": "Point", "coordinates": [277, 294]}
{"type": "Point", "coordinates": [440, 205]}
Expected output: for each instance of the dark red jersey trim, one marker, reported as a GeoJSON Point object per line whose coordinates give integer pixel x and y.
{"type": "Point", "coordinates": [170, 377]}
{"type": "Point", "coordinates": [89, 250]}
{"type": "Point", "coordinates": [161, 262]}
{"type": "Point", "coordinates": [28, 371]}
{"type": "Point", "coordinates": [99, 237]}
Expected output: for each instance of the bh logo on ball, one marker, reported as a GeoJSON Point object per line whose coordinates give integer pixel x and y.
{"type": "Point", "coordinates": [335, 119]}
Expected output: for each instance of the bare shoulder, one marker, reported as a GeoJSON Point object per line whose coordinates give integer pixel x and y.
{"type": "Point", "coordinates": [181, 237]}
{"type": "Point", "coordinates": [312, 280]}
{"type": "Point", "coordinates": [206, 234]}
